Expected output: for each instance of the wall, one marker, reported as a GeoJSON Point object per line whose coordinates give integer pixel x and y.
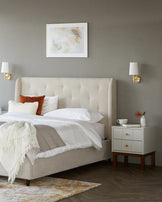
{"type": "Point", "coordinates": [119, 32]}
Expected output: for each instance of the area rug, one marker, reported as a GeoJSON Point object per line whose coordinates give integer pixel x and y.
{"type": "Point", "coordinates": [44, 189]}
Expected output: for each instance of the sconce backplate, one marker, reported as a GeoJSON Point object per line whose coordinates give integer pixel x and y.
{"type": "Point", "coordinates": [136, 79]}
{"type": "Point", "coordinates": [7, 76]}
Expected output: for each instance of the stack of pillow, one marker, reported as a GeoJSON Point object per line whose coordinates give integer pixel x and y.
{"type": "Point", "coordinates": [39, 105]}
{"type": "Point", "coordinates": [47, 106]}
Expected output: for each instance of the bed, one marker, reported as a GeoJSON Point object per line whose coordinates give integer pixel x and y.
{"type": "Point", "coordinates": [97, 94]}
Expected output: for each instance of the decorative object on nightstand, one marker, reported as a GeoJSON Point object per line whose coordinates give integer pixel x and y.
{"type": "Point", "coordinates": [122, 121]}
{"type": "Point", "coordinates": [142, 119]}
{"type": "Point", "coordinates": [133, 142]}
{"type": "Point", "coordinates": [134, 70]}
{"type": "Point", "coordinates": [131, 125]}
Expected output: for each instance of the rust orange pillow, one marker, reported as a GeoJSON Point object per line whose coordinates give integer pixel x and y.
{"type": "Point", "coordinates": [39, 99]}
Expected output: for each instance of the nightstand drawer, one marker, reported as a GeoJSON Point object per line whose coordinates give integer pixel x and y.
{"type": "Point", "coordinates": [131, 146]}
{"type": "Point", "coordinates": [128, 134]}
{"type": "Point", "coordinates": [127, 146]}
{"type": "Point", "coordinates": [118, 133]}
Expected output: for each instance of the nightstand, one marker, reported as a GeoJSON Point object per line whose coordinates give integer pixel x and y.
{"type": "Point", "coordinates": [133, 142]}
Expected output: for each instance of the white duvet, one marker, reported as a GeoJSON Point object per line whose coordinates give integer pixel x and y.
{"type": "Point", "coordinates": [75, 135]}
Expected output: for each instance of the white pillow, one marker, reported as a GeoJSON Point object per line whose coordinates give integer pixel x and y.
{"type": "Point", "coordinates": [27, 107]}
{"type": "Point", "coordinates": [50, 104]}
{"type": "Point", "coordinates": [81, 114]}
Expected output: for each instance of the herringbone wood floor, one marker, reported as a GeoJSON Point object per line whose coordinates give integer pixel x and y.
{"type": "Point", "coordinates": [126, 184]}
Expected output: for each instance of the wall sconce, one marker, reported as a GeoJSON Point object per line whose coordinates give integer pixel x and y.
{"type": "Point", "coordinates": [134, 70]}
{"type": "Point", "coordinates": [5, 69]}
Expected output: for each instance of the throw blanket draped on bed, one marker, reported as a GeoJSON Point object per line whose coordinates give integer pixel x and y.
{"type": "Point", "coordinates": [16, 139]}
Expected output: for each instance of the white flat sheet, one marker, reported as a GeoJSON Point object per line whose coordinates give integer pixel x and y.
{"type": "Point", "coordinates": [100, 129]}
{"type": "Point", "coordinates": [97, 127]}
{"type": "Point", "coordinates": [74, 134]}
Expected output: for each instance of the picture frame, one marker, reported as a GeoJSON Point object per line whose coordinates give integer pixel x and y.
{"type": "Point", "coordinates": [67, 40]}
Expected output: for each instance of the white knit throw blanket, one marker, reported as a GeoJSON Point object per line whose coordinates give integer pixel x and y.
{"type": "Point", "coordinates": [16, 139]}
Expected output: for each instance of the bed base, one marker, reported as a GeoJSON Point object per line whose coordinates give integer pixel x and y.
{"type": "Point", "coordinates": [61, 162]}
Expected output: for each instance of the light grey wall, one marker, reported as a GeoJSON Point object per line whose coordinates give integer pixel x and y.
{"type": "Point", "coordinates": [119, 32]}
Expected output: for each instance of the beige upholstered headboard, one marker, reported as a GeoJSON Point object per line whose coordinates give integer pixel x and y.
{"type": "Point", "coordinates": [97, 94]}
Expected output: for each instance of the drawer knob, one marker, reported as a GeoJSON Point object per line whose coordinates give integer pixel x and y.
{"type": "Point", "coordinates": [126, 133]}
{"type": "Point", "coordinates": [126, 145]}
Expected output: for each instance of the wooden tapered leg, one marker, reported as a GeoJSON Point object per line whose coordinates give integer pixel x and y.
{"type": "Point", "coordinates": [126, 160]}
{"type": "Point", "coordinates": [114, 160]}
{"type": "Point", "coordinates": [153, 159]}
{"type": "Point", "coordinates": [142, 162]}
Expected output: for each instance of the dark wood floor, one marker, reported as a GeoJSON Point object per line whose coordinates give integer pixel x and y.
{"type": "Point", "coordinates": [126, 184]}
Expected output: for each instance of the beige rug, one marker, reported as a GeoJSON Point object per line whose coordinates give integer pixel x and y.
{"type": "Point", "coordinates": [44, 189]}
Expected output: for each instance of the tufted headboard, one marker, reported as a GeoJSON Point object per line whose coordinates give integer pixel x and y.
{"type": "Point", "coordinates": [97, 94]}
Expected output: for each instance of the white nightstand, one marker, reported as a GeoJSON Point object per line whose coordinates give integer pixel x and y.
{"type": "Point", "coordinates": [133, 142]}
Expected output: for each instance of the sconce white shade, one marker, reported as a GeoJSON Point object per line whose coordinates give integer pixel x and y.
{"type": "Point", "coordinates": [133, 68]}
{"type": "Point", "coordinates": [5, 67]}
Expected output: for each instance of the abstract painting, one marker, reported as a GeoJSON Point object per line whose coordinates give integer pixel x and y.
{"type": "Point", "coordinates": [66, 40]}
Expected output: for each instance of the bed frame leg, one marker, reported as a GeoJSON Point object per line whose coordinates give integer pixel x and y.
{"type": "Point", "coordinates": [27, 182]}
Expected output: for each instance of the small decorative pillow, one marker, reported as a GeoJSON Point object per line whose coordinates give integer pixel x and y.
{"type": "Point", "coordinates": [50, 104]}
{"type": "Point", "coordinates": [39, 99]}
{"type": "Point", "coordinates": [80, 114]}
{"type": "Point", "coordinates": [29, 107]}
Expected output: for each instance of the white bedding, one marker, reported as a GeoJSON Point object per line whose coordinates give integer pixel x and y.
{"type": "Point", "coordinates": [75, 135]}
{"type": "Point", "coordinates": [100, 129]}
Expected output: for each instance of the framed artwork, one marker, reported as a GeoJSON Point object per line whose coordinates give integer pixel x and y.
{"type": "Point", "coordinates": [67, 40]}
